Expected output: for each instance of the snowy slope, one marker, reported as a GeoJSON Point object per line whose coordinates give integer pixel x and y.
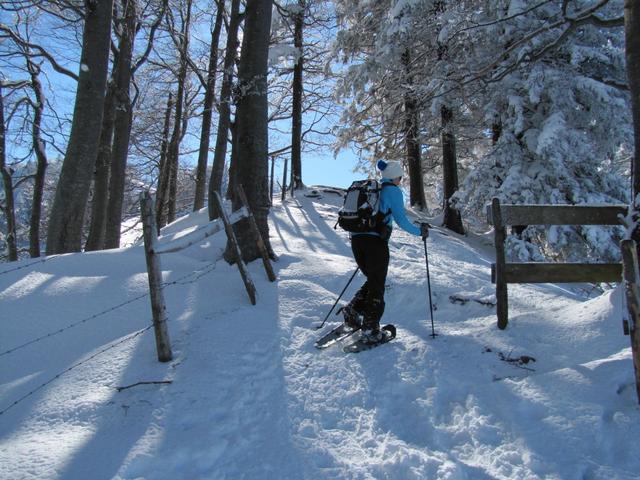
{"type": "Point", "coordinates": [251, 398]}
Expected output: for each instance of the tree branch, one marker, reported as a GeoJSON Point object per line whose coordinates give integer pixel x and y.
{"type": "Point", "coordinates": [28, 47]}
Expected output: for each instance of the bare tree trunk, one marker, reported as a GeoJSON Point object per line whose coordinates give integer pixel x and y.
{"type": "Point", "coordinates": [632, 34]}
{"type": "Point", "coordinates": [412, 139]}
{"type": "Point", "coordinates": [97, 227]}
{"type": "Point", "coordinates": [452, 219]}
{"type": "Point", "coordinates": [298, 89]}
{"type": "Point", "coordinates": [9, 208]}
{"type": "Point", "coordinates": [207, 113]}
{"type": "Point", "coordinates": [162, 190]}
{"type": "Point", "coordinates": [252, 126]}
{"type": "Point", "coordinates": [233, 163]}
{"type": "Point", "coordinates": [121, 127]}
{"type": "Point", "coordinates": [72, 192]}
{"type": "Point", "coordinates": [224, 111]}
{"type": "Point", "coordinates": [41, 157]}
{"type": "Point", "coordinates": [174, 164]}
{"type": "Point", "coordinates": [174, 144]}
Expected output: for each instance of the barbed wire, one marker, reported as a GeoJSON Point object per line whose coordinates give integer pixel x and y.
{"type": "Point", "coordinates": [197, 274]}
{"type": "Point", "coordinates": [72, 325]}
{"type": "Point", "coordinates": [42, 260]}
{"type": "Point", "coordinates": [76, 365]}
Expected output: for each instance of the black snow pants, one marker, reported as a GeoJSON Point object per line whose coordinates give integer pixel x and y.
{"type": "Point", "coordinates": [372, 256]}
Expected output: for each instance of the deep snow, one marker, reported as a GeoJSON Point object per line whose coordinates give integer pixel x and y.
{"type": "Point", "coordinates": [251, 398]}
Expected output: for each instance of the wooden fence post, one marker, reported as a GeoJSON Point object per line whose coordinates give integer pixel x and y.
{"type": "Point", "coordinates": [256, 232]}
{"type": "Point", "coordinates": [631, 288]}
{"type": "Point", "coordinates": [246, 278]}
{"type": "Point", "coordinates": [154, 272]}
{"type": "Point", "coordinates": [502, 302]}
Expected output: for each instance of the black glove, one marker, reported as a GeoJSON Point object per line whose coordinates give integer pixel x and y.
{"type": "Point", "coordinates": [424, 230]}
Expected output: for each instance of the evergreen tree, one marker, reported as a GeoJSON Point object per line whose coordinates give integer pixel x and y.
{"type": "Point", "coordinates": [554, 80]}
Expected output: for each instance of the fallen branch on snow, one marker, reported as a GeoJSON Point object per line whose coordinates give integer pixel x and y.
{"type": "Point", "coordinates": [158, 382]}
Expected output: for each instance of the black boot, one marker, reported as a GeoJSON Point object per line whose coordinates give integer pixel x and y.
{"type": "Point", "coordinates": [371, 324]}
{"type": "Point", "coordinates": [353, 311]}
{"type": "Point", "coordinates": [352, 318]}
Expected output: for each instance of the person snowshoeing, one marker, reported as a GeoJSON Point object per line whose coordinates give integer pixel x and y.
{"type": "Point", "coordinates": [371, 253]}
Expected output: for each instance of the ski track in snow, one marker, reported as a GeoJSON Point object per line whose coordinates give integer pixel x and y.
{"type": "Point", "coordinates": [251, 397]}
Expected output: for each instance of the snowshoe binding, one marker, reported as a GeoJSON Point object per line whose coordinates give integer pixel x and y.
{"type": "Point", "coordinates": [372, 339]}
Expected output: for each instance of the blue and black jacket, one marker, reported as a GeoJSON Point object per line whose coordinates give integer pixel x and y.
{"type": "Point", "coordinates": [392, 203]}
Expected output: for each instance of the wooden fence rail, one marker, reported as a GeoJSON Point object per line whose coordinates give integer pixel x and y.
{"type": "Point", "coordinates": [201, 233]}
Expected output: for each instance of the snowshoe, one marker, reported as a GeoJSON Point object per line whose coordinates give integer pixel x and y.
{"type": "Point", "coordinates": [369, 341]}
{"type": "Point", "coordinates": [340, 332]}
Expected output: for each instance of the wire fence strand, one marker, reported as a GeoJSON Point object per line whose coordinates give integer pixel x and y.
{"type": "Point", "coordinates": [76, 365]}
{"type": "Point", "coordinates": [72, 325]}
{"type": "Point", "coordinates": [31, 264]}
{"type": "Point", "coordinates": [196, 274]}
{"type": "Point", "coordinates": [189, 278]}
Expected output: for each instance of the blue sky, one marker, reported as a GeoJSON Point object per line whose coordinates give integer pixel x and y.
{"type": "Point", "coordinates": [329, 170]}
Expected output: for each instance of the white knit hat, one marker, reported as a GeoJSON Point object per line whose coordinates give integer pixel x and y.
{"type": "Point", "coordinates": [390, 169]}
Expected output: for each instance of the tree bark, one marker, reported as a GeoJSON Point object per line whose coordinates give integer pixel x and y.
{"type": "Point", "coordinates": [412, 139]}
{"type": "Point", "coordinates": [9, 208]}
{"type": "Point", "coordinates": [452, 219]}
{"type": "Point", "coordinates": [207, 112]}
{"type": "Point", "coordinates": [224, 111]}
{"type": "Point", "coordinates": [233, 163]}
{"type": "Point", "coordinates": [97, 226]}
{"type": "Point", "coordinates": [162, 190]}
{"type": "Point", "coordinates": [41, 158]}
{"type": "Point", "coordinates": [173, 151]}
{"type": "Point", "coordinates": [67, 214]}
{"type": "Point", "coordinates": [121, 127]}
{"type": "Point", "coordinates": [252, 126]}
{"type": "Point", "coordinates": [298, 89]}
{"type": "Point", "coordinates": [632, 35]}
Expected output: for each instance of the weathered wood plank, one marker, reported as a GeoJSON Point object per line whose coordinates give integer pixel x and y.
{"type": "Point", "coordinates": [502, 297]}
{"type": "Point", "coordinates": [256, 232]}
{"type": "Point", "coordinates": [632, 284]}
{"type": "Point", "coordinates": [201, 233]}
{"type": "Point", "coordinates": [559, 214]}
{"type": "Point", "coordinates": [244, 273]}
{"type": "Point", "coordinates": [154, 273]}
{"type": "Point", "coordinates": [560, 272]}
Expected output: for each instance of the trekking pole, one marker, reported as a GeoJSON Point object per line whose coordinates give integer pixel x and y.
{"type": "Point", "coordinates": [339, 297]}
{"type": "Point", "coordinates": [426, 258]}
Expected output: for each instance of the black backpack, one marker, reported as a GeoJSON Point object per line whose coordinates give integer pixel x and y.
{"type": "Point", "coordinates": [360, 212]}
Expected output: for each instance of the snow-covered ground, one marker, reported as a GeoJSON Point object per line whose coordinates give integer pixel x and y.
{"type": "Point", "coordinates": [251, 398]}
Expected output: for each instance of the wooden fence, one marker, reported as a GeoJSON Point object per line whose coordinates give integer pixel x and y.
{"type": "Point", "coordinates": [503, 272]}
{"type": "Point", "coordinates": [154, 268]}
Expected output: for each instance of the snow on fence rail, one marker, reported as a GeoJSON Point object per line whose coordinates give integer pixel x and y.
{"type": "Point", "coordinates": [200, 234]}
{"type": "Point", "coordinates": [154, 269]}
